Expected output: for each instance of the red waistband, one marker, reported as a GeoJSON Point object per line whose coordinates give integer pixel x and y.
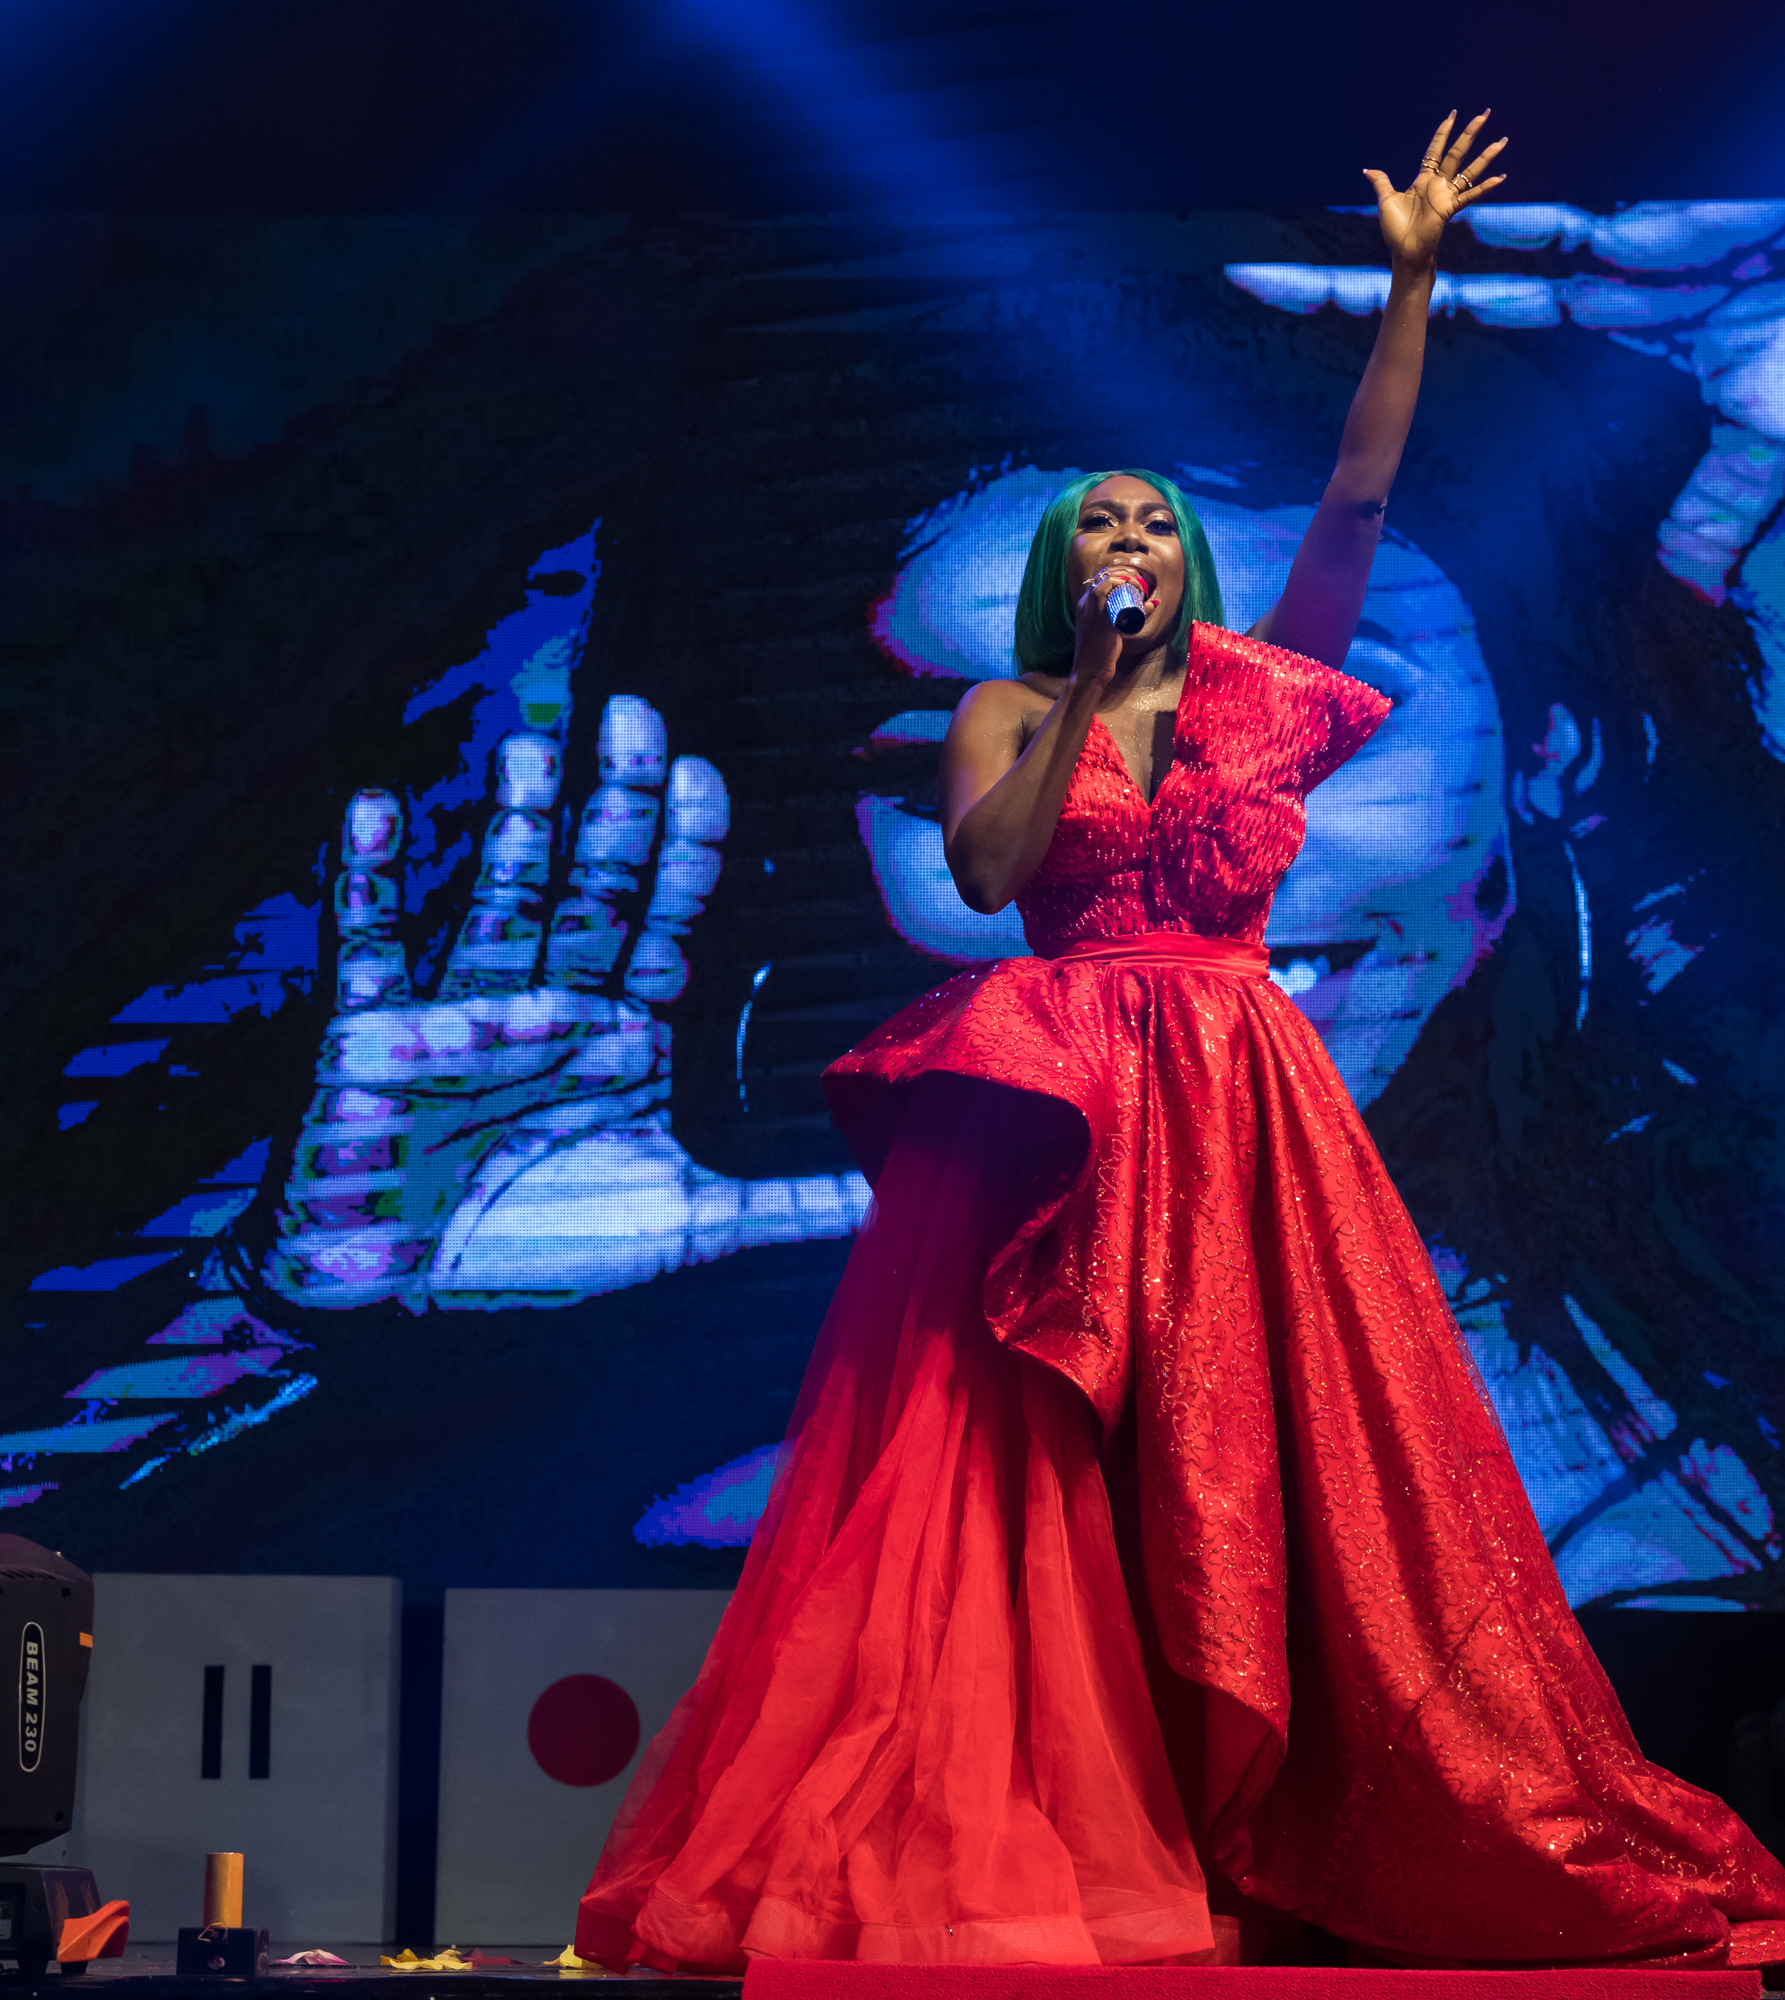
{"type": "Point", "coordinates": [1230, 955]}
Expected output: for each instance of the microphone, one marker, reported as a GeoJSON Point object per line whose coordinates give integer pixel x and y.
{"type": "Point", "coordinates": [1127, 607]}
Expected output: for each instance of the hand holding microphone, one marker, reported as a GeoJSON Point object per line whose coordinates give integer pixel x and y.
{"type": "Point", "coordinates": [1127, 598]}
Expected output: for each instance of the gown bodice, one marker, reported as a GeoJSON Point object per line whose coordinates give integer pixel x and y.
{"type": "Point", "coordinates": [1257, 729]}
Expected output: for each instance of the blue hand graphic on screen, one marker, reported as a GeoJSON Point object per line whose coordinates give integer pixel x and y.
{"type": "Point", "coordinates": [1724, 536]}
{"type": "Point", "coordinates": [507, 1141]}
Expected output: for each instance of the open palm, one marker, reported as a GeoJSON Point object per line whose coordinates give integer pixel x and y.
{"type": "Point", "coordinates": [507, 1141]}
{"type": "Point", "coordinates": [1413, 218]}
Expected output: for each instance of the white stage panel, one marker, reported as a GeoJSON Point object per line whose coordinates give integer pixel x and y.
{"type": "Point", "coordinates": [318, 1829]}
{"type": "Point", "coordinates": [558, 1674]}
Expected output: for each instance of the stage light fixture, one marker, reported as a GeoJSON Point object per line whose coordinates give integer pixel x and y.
{"type": "Point", "coordinates": [46, 1643]}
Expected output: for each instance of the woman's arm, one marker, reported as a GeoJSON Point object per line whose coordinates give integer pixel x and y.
{"type": "Point", "coordinates": [1319, 609]}
{"type": "Point", "coordinates": [1001, 797]}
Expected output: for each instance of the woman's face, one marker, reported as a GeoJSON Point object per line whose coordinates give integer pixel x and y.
{"type": "Point", "coordinates": [1404, 880]}
{"type": "Point", "coordinates": [1124, 524]}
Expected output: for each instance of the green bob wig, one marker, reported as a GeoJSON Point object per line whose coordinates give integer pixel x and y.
{"type": "Point", "coordinates": [1046, 620]}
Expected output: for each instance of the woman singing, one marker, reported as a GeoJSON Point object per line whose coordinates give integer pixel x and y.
{"type": "Point", "coordinates": [1144, 1540]}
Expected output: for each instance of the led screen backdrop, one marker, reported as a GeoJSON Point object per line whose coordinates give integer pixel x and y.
{"type": "Point", "coordinates": [479, 688]}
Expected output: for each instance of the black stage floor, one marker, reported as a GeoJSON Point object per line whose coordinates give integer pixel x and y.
{"type": "Point", "coordinates": [146, 1972]}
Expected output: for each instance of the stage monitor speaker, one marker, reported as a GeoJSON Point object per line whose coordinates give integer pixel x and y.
{"type": "Point", "coordinates": [46, 1643]}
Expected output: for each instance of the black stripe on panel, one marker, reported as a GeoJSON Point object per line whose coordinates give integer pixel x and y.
{"type": "Point", "coordinates": [210, 1753]}
{"type": "Point", "coordinates": [260, 1721]}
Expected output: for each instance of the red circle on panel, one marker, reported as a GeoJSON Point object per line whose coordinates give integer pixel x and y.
{"type": "Point", "coordinates": [583, 1730]}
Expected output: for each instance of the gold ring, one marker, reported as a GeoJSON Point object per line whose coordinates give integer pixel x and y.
{"type": "Point", "coordinates": [1462, 181]}
{"type": "Point", "coordinates": [1428, 166]}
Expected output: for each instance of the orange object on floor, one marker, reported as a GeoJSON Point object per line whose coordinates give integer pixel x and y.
{"type": "Point", "coordinates": [104, 1934]}
{"type": "Point", "coordinates": [223, 1891]}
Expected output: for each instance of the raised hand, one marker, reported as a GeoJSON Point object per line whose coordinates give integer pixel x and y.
{"type": "Point", "coordinates": [508, 1141]}
{"type": "Point", "coordinates": [1413, 220]}
{"type": "Point", "coordinates": [1698, 278]}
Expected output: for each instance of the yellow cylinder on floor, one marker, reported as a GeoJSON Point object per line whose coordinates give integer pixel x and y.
{"type": "Point", "coordinates": [223, 1891]}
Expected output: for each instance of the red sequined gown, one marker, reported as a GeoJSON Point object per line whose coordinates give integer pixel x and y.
{"type": "Point", "coordinates": [1142, 1504]}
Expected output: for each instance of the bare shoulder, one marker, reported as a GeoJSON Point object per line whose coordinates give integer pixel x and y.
{"type": "Point", "coordinates": [1003, 711]}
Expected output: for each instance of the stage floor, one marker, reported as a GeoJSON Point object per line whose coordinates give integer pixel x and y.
{"type": "Point", "coordinates": [146, 1972]}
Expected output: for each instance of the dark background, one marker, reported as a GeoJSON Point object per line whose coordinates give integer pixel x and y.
{"type": "Point", "coordinates": [762, 106]}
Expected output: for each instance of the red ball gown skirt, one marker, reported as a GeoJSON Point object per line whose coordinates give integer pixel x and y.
{"type": "Point", "coordinates": [1143, 1514]}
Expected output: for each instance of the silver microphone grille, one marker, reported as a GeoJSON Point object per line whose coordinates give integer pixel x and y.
{"type": "Point", "coordinates": [1127, 608]}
